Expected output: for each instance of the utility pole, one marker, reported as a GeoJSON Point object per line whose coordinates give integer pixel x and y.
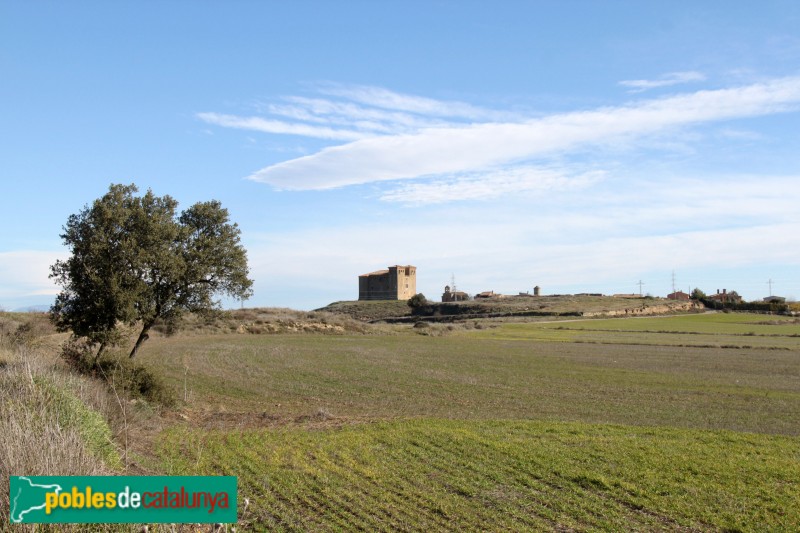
{"type": "Point", "coordinates": [640, 287]}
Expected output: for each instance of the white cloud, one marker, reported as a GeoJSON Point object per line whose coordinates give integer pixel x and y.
{"type": "Point", "coordinates": [673, 78]}
{"type": "Point", "coordinates": [347, 114]}
{"type": "Point", "coordinates": [351, 112]}
{"type": "Point", "coordinates": [277, 126]}
{"type": "Point", "coordinates": [490, 185]}
{"type": "Point", "coordinates": [470, 148]}
{"type": "Point", "coordinates": [386, 99]}
{"type": "Point", "coordinates": [24, 274]}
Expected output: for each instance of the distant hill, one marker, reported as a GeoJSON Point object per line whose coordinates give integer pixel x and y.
{"type": "Point", "coordinates": [32, 309]}
{"type": "Point", "coordinates": [369, 309]}
{"type": "Point", "coordinates": [510, 306]}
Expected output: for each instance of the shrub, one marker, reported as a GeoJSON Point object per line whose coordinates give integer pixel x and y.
{"type": "Point", "coordinates": [122, 374]}
{"type": "Point", "coordinates": [418, 300]}
{"type": "Point", "coordinates": [136, 380]}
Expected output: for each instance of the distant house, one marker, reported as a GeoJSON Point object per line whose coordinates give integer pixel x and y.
{"type": "Point", "coordinates": [398, 282]}
{"type": "Point", "coordinates": [775, 300]}
{"type": "Point", "coordinates": [485, 294]}
{"type": "Point", "coordinates": [678, 295]}
{"type": "Point", "coordinates": [726, 297]}
{"type": "Point", "coordinates": [454, 296]}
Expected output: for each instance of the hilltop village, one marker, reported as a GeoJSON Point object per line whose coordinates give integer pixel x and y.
{"type": "Point", "coordinates": [399, 282]}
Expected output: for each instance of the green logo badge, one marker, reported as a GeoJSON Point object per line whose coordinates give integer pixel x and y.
{"type": "Point", "coordinates": [122, 499]}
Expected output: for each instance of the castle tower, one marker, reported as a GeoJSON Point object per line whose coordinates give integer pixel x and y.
{"type": "Point", "coordinates": [398, 282]}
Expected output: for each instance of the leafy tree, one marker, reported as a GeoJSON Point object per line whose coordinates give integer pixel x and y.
{"type": "Point", "coordinates": [697, 294]}
{"type": "Point", "coordinates": [134, 260]}
{"type": "Point", "coordinates": [418, 300]}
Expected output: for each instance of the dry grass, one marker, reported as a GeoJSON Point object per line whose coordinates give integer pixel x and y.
{"type": "Point", "coordinates": [52, 421]}
{"type": "Point", "coordinates": [268, 320]}
{"type": "Point", "coordinates": [24, 328]}
{"type": "Point", "coordinates": [56, 422]}
{"type": "Point", "coordinates": [365, 310]}
{"type": "Point", "coordinates": [43, 431]}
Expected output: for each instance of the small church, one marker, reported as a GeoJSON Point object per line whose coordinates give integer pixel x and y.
{"type": "Point", "coordinates": [453, 295]}
{"type": "Point", "coordinates": [398, 282]}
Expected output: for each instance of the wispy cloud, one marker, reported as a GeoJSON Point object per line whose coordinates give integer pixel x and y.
{"type": "Point", "coordinates": [386, 99]}
{"type": "Point", "coordinates": [490, 185]}
{"type": "Point", "coordinates": [351, 112]}
{"type": "Point", "coordinates": [277, 126]}
{"type": "Point", "coordinates": [350, 115]}
{"type": "Point", "coordinates": [673, 78]}
{"type": "Point", "coordinates": [465, 148]}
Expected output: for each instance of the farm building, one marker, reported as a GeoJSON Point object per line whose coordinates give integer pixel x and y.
{"type": "Point", "coordinates": [486, 294]}
{"type": "Point", "coordinates": [678, 295]}
{"type": "Point", "coordinates": [726, 297]}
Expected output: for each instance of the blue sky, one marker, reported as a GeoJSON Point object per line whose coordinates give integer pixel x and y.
{"type": "Point", "coordinates": [579, 146]}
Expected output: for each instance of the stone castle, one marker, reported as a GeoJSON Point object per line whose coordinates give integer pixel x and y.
{"type": "Point", "coordinates": [397, 283]}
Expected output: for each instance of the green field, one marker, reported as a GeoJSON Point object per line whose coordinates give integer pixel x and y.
{"type": "Point", "coordinates": [594, 424]}
{"type": "Point", "coordinates": [520, 371]}
{"type": "Point", "coordinates": [428, 475]}
{"type": "Point", "coordinates": [712, 330]}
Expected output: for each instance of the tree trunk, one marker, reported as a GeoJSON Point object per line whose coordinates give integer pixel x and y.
{"type": "Point", "coordinates": [143, 336]}
{"type": "Point", "coordinates": [99, 353]}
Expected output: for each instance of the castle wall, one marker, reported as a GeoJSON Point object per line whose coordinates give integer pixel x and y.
{"type": "Point", "coordinates": [396, 283]}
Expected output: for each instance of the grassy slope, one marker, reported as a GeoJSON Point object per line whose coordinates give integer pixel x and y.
{"type": "Point", "coordinates": [369, 310]}
{"type": "Point", "coordinates": [47, 426]}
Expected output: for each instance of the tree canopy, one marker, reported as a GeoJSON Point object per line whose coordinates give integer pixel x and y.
{"type": "Point", "coordinates": [697, 294]}
{"type": "Point", "coordinates": [135, 260]}
{"type": "Point", "coordinates": [418, 300]}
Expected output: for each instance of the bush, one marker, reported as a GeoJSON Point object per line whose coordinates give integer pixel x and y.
{"type": "Point", "coordinates": [122, 374]}
{"type": "Point", "coordinates": [417, 301]}
{"type": "Point", "coordinates": [78, 354]}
